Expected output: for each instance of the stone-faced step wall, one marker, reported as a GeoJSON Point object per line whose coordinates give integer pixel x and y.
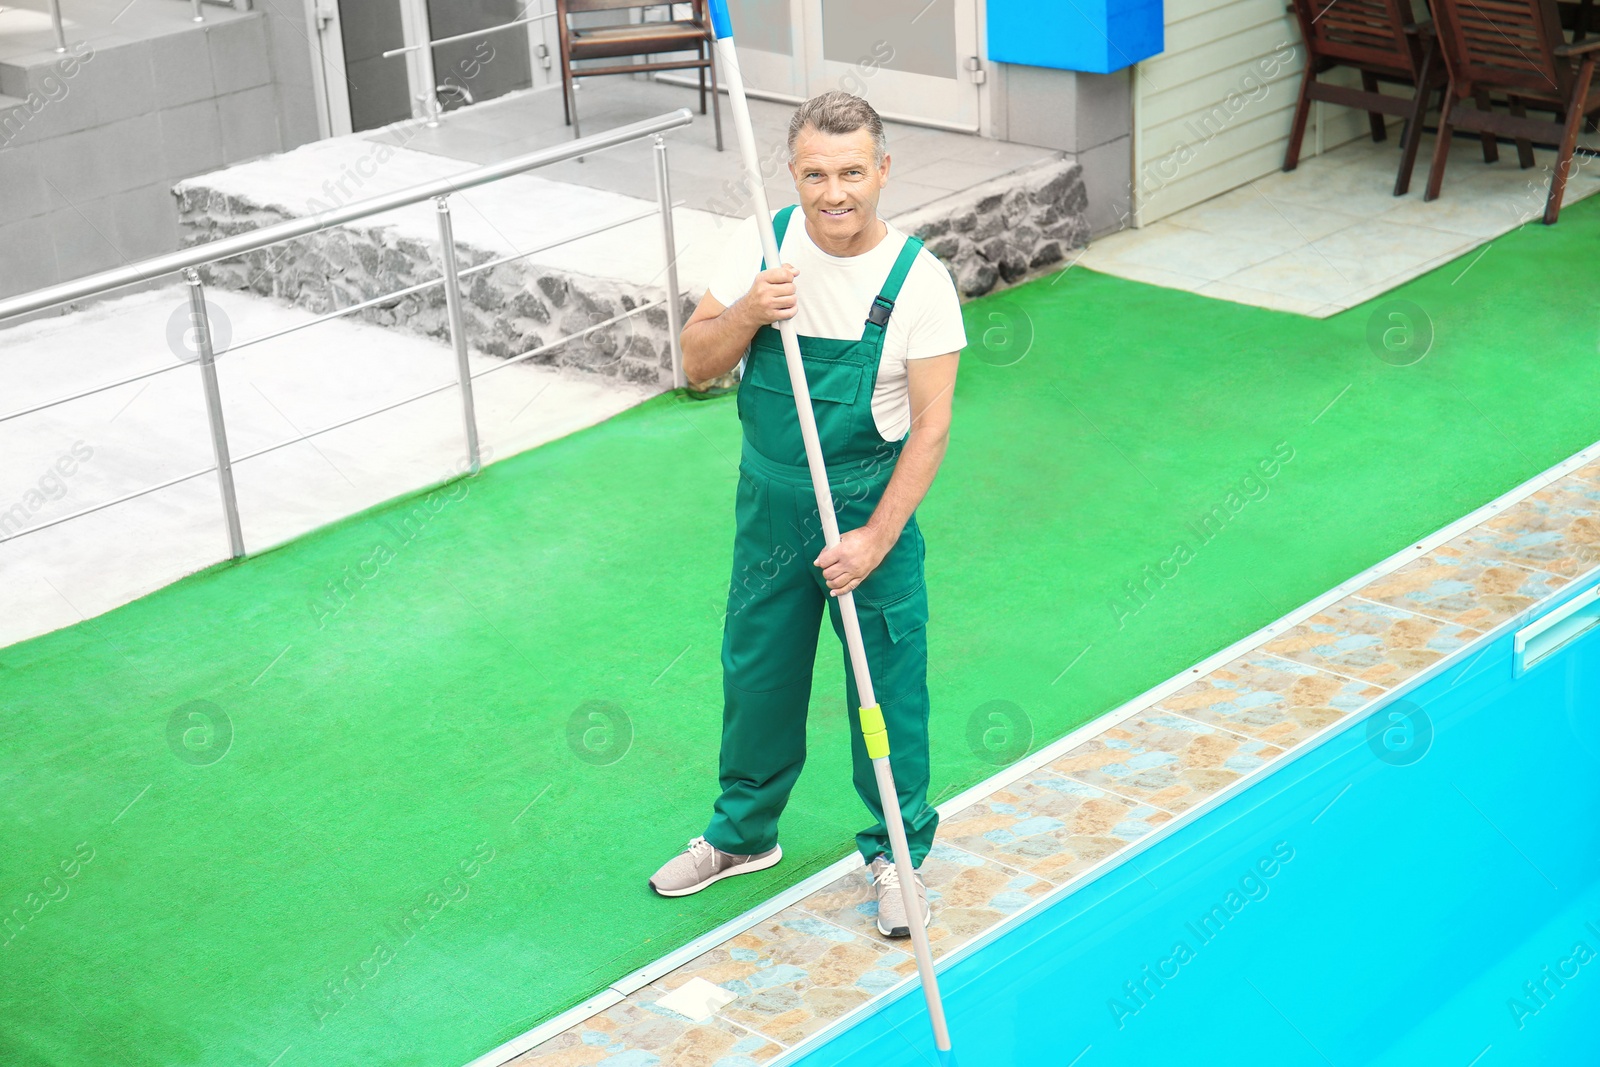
{"type": "Point", "coordinates": [995, 233]}
{"type": "Point", "coordinates": [509, 309]}
{"type": "Point", "coordinates": [1007, 228]}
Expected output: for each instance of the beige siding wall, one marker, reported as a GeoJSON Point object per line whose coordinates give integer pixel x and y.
{"type": "Point", "coordinates": [1212, 111]}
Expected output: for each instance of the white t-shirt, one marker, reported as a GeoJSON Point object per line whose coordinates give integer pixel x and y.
{"type": "Point", "coordinates": [835, 294]}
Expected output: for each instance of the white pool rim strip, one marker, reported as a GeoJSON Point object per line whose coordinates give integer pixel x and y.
{"type": "Point", "coordinates": [635, 980]}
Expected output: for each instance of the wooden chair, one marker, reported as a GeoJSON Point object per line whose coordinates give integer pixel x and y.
{"type": "Point", "coordinates": [1515, 47]}
{"type": "Point", "coordinates": [620, 39]}
{"type": "Point", "coordinates": [1378, 38]}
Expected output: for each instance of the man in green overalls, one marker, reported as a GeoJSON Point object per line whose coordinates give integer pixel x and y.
{"type": "Point", "coordinates": [880, 333]}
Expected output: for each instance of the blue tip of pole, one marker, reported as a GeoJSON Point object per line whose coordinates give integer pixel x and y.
{"type": "Point", "coordinates": [721, 26]}
{"type": "Point", "coordinates": [947, 1057]}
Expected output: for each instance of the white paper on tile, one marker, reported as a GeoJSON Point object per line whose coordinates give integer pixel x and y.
{"type": "Point", "coordinates": [697, 999]}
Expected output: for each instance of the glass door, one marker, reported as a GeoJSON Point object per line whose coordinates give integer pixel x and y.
{"type": "Point", "coordinates": [478, 68]}
{"type": "Point", "coordinates": [766, 33]}
{"type": "Point", "coordinates": [360, 89]}
{"type": "Point", "coordinates": [914, 60]}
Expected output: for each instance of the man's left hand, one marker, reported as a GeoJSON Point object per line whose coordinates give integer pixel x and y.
{"type": "Point", "coordinates": [848, 563]}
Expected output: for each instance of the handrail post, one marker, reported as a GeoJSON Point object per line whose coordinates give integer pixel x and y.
{"type": "Point", "coordinates": [55, 21]}
{"type": "Point", "coordinates": [458, 328]}
{"type": "Point", "coordinates": [674, 310]}
{"type": "Point", "coordinates": [200, 322]}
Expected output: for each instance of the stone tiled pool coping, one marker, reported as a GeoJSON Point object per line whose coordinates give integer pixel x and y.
{"type": "Point", "coordinates": [807, 962]}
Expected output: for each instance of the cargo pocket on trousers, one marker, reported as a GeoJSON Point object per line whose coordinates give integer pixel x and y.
{"type": "Point", "coordinates": [906, 613]}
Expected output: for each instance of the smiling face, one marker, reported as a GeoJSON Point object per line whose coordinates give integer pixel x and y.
{"type": "Point", "coordinates": [839, 184]}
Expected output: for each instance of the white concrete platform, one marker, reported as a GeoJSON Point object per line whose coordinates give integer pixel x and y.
{"type": "Point", "coordinates": [147, 432]}
{"type": "Point", "coordinates": [1330, 234]}
{"type": "Point", "coordinates": [925, 164]}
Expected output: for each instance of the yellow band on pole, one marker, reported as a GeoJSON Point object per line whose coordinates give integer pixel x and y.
{"type": "Point", "coordinates": [874, 732]}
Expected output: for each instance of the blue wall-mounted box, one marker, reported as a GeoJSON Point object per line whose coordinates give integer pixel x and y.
{"type": "Point", "coordinates": [1098, 36]}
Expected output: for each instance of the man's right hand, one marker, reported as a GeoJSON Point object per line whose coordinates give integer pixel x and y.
{"type": "Point", "coordinates": [771, 297]}
{"type": "Point", "coordinates": [715, 337]}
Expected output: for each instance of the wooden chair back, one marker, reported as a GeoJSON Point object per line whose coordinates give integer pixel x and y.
{"type": "Point", "coordinates": [576, 7]}
{"type": "Point", "coordinates": [1362, 33]}
{"type": "Point", "coordinates": [1505, 44]}
{"type": "Point", "coordinates": [623, 39]}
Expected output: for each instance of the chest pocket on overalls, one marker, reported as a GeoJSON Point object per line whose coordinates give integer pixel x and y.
{"type": "Point", "coordinates": [835, 386]}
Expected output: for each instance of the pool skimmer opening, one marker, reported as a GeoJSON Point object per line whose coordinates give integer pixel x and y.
{"type": "Point", "coordinates": [1555, 630]}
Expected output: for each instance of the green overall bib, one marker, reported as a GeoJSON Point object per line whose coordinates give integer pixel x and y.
{"type": "Point", "coordinates": [776, 597]}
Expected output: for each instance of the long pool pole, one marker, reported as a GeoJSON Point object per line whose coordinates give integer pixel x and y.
{"type": "Point", "coordinates": [873, 730]}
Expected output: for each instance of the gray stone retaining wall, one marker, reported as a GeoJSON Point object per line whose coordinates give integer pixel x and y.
{"type": "Point", "coordinates": [509, 309]}
{"type": "Point", "coordinates": [1007, 228]}
{"type": "Point", "coordinates": [993, 234]}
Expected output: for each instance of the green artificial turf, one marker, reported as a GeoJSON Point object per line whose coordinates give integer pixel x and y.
{"type": "Point", "coordinates": [417, 835]}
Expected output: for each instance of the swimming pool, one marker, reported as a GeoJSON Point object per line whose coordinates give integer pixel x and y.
{"type": "Point", "coordinates": [1422, 887]}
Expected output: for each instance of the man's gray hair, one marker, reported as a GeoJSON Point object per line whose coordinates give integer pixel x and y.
{"type": "Point", "coordinates": [838, 112]}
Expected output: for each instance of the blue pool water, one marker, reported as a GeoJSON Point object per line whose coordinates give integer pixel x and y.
{"type": "Point", "coordinates": [1383, 900]}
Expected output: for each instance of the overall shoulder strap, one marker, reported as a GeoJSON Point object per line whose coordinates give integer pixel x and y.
{"type": "Point", "coordinates": [780, 226]}
{"type": "Point", "coordinates": [883, 303]}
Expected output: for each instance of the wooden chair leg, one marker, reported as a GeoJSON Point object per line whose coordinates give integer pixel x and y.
{"type": "Point", "coordinates": [1524, 146]}
{"type": "Point", "coordinates": [566, 92]}
{"type": "Point", "coordinates": [1369, 82]}
{"type": "Point", "coordinates": [1297, 129]}
{"type": "Point", "coordinates": [1569, 140]}
{"type": "Point", "coordinates": [1411, 133]}
{"type": "Point", "coordinates": [1441, 149]}
{"type": "Point", "coordinates": [1491, 147]}
{"type": "Point", "coordinates": [702, 90]}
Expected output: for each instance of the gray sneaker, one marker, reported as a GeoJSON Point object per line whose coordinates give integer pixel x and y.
{"type": "Point", "coordinates": [703, 863]}
{"type": "Point", "coordinates": [891, 904]}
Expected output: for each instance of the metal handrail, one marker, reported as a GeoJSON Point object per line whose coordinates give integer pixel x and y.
{"type": "Point", "coordinates": [123, 499]}
{"type": "Point", "coordinates": [141, 376]}
{"type": "Point", "coordinates": [382, 298]}
{"type": "Point", "coordinates": [586, 331]}
{"type": "Point", "coordinates": [253, 240]}
{"type": "Point", "coordinates": [438, 191]}
{"type": "Point", "coordinates": [319, 431]}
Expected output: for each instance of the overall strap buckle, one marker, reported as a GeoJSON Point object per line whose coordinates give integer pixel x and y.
{"type": "Point", "coordinates": [879, 314]}
{"type": "Point", "coordinates": [883, 303]}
